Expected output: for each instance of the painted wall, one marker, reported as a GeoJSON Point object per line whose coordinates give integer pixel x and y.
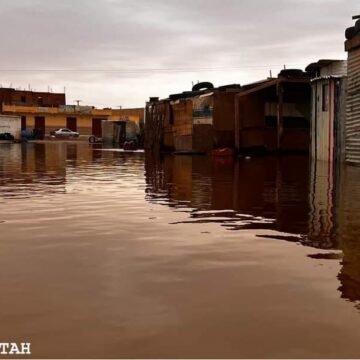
{"type": "Point", "coordinates": [11, 125]}
{"type": "Point", "coordinates": [56, 118]}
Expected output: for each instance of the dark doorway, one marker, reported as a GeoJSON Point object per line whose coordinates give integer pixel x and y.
{"type": "Point", "coordinates": [71, 123]}
{"type": "Point", "coordinates": [122, 133]}
{"type": "Point", "coordinates": [97, 127]}
{"type": "Point", "coordinates": [23, 123]}
{"type": "Point", "coordinates": [40, 123]}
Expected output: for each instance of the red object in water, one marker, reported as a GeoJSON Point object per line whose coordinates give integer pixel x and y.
{"type": "Point", "coordinates": [226, 152]}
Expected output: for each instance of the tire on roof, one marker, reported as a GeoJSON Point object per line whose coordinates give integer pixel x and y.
{"type": "Point", "coordinates": [357, 25]}
{"type": "Point", "coordinates": [350, 32]}
{"type": "Point", "coordinates": [203, 86]}
{"type": "Point", "coordinates": [291, 73]}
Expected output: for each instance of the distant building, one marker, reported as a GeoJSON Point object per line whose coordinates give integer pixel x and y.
{"type": "Point", "coordinates": [86, 120]}
{"type": "Point", "coordinates": [197, 121]}
{"type": "Point", "coordinates": [30, 98]}
{"type": "Point", "coordinates": [328, 109]}
{"type": "Point", "coordinates": [274, 114]}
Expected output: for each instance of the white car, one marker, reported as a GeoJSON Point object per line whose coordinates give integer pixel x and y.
{"type": "Point", "coordinates": [65, 133]}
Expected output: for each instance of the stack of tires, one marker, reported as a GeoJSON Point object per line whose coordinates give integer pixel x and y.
{"type": "Point", "coordinates": [352, 31]}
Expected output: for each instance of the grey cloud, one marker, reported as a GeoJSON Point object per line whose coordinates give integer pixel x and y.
{"type": "Point", "coordinates": [243, 38]}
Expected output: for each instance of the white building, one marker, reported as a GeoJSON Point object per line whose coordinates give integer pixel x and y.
{"type": "Point", "coordinates": [11, 124]}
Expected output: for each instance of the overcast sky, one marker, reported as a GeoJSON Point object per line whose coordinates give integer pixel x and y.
{"type": "Point", "coordinates": [120, 52]}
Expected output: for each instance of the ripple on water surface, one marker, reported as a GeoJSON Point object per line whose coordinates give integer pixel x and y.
{"type": "Point", "coordinates": [125, 255]}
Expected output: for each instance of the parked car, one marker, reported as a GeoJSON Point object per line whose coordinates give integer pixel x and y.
{"type": "Point", "coordinates": [7, 137]}
{"type": "Point", "coordinates": [64, 133]}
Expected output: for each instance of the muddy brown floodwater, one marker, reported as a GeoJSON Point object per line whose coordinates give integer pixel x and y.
{"type": "Point", "coordinates": [112, 255]}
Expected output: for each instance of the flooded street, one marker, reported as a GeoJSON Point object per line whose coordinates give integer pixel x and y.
{"type": "Point", "coordinates": [106, 254]}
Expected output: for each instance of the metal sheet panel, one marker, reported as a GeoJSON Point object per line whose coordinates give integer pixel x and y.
{"type": "Point", "coordinates": [352, 129]}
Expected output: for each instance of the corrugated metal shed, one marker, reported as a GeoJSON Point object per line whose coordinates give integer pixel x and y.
{"type": "Point", "coordinates": [352, 130]}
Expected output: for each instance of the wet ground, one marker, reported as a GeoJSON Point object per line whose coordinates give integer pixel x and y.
{"type": "Point", "coordinates": [106, 254]}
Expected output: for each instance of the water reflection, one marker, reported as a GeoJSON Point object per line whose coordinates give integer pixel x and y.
{"type": "Point", "coordinates": [144, 270]}
{"type": "Point", "coordinates": [348, 232]}
{"type": "Point", "coordinates": [261, 193]}
{"type": "Point", "coordinates": [31, 170]}
{"type": "Point", "coordinates": [310, 204]}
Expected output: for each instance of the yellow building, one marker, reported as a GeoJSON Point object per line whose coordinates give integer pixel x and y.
{"type": "Point", "coordinates": [86, 120]}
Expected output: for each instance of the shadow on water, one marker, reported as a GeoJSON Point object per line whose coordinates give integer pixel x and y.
{"type": "Point", "coordinates": [312, 204]}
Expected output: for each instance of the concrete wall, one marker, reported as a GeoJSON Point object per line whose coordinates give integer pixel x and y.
{"type": "Point", "coordinates": [11, 125]}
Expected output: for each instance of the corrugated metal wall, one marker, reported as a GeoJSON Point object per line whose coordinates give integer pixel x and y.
{"type": "Point", "coordinates": [353, 108]}
{"type": "Point", "coordinates": [327, 124]}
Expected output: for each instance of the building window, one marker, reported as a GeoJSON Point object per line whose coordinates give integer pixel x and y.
{"type": "Point", "coordinates": [325, 97]}
{"type": "Point", "coordinates": [23, 99]}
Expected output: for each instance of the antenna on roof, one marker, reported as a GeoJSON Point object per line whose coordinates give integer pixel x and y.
{"type": "Point", "coordinates": [270, 74]}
